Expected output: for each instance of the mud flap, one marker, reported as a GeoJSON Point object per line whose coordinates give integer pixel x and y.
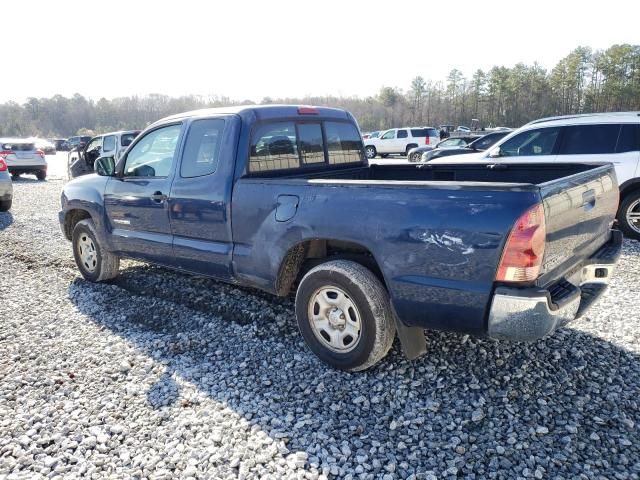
{"type": "Point", "coordinates": [412, 339]}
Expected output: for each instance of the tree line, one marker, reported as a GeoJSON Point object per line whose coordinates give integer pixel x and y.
{"type": "Point", "coordinates": [584, 81]}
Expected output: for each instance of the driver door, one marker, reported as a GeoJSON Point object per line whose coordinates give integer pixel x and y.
{"type": "Point", "coordinates": [387, 142]}
{"type": "Point", "coordinates": [136, 199]}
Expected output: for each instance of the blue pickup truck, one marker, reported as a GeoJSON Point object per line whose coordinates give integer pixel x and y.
{"type": "Point", "coordinates": [281, 198]}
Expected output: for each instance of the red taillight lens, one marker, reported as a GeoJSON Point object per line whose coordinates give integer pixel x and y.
{"type": "Point", "coordinates": [3, 165]}
{"type": "Point", "coordinates": [427, 140]}
{"type": "Point", "coordinates": [40, 152]}
{"type": "Point", "coordinates": [308, 111]}
{"type": "Point", "coordinates": [5, 153]}
{"type": "Point", "coordinates": [522, 256]}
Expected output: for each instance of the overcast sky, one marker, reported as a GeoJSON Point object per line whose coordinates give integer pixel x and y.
{"type": "Point", "coordinates": [251, 49]}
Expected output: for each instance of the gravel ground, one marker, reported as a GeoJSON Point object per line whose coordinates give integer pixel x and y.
{"type": "Point", "coordinates": [161, 375]}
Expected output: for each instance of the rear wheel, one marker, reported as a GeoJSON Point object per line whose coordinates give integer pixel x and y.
{"type": "Point", "coordinates": [629, 215]}
{"type": "Point", "coordinates": [94, 262]}
{"type": "Point", "coordinates": [344, 315]}
{"type": "Point", "coordinates": [5, 205]}
{"type": "Point", "coordinates": [41, 175]}
{"type": "Point", "coordinates": [370, 151]}
{"type": "Point", "coordinates": [15, 176]}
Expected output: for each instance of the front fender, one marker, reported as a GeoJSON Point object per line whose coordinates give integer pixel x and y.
{"type": "Point", "coordinates": [86, 194]}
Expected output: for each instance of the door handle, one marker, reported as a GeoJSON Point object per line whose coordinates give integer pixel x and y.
{"type": "Point", "coordinates": [158, 197]}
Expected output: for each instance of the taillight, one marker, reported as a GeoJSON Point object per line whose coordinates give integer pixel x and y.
{"type": "Point", "coordinates": [427, 140]}
{"type": "Point", "coordinates": [308, 111]}
{"type": "Point", "coordinates": [5, 153]}
{"type": "Point", "coordinates": [522, 256]}
{"type": "Point", "coordinates": [40, 152]}
{"type": "Point", "coordinates": [3, 165]}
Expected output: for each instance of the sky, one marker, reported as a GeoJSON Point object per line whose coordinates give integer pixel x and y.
{"type": "Point", "coordinates": [246, 49]}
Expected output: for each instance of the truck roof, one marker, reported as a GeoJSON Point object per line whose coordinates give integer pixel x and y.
{"type": "Point", "coordinates": [261, 112]}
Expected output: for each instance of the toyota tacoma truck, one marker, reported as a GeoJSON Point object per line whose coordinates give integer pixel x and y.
{"type": "Point", "coordinates": [281, 198]}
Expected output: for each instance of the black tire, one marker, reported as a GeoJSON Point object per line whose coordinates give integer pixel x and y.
{"type": "Point", "coordinates": [15, 176]}
{"type": "Point", "coordinates": [5, 205]}
{"type": "Point", "coordinates": [631, 201]}
{"type": "Point", "coordinates": [384, 155]}
{"type": "Point", "coordinates": [370, 151]}
{"type": "Point", "coordinates": [416, 157]}
{"type": "Point", "coordinates": [105, 264]}
{"type": "Point", "coordinates": [367, 293]}
{"type": "Point", "coordinates": [41, 174]}
{"type": "Point", "coordinates": [409, 147]}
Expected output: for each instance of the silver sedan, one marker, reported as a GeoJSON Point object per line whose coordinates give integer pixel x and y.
{"type": "Point", "coordinates": [6, 187]}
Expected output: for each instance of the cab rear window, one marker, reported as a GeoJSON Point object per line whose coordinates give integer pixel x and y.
{"type": "Point", "coordinates": [295, 145]}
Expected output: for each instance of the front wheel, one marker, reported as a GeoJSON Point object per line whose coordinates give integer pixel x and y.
{"type": "Point", "coordinates": [5, 205]}
{"type": "Point", "coordinates": [629, 215]}
{"type": "Point", "coordinates": [95, 263]}
{"type": "Point", "coordinates": [344, 315]}
{"type": "Point", "coordinates": [370, 152]}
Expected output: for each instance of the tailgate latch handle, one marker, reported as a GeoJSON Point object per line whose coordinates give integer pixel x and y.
{"type": "Point", "coordinates": [589, 199]}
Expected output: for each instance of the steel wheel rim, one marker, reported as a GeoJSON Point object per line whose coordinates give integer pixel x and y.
{"type": "Point", "coordinates": [87, 252]}
{"type": "Point", "coordinates": [633, 217]}
{"type": "Point", "coordinates": [335, 319]}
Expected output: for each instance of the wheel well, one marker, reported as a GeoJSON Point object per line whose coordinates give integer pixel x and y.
{"type": "Point", "coordinates": [71, 219]}
{"type": "Point", "coordinates": [410, 146]}
{"type": "Point", "coordinates": [629, 188]}
{"type": "Point", "coordinates": [306, 255]}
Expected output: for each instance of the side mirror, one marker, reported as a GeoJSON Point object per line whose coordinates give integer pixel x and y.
{"type": "Point", "coordinates": [495, 152]}
{"type": "Point", "coordinates": [105, 166]}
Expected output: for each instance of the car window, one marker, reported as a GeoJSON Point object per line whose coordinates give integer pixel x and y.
{"type": "Point", "coordinates": [532, 142]}
{"type": "Point", "coordinates": [311, 145]}
{"type": "Point", "coordinates": [402, 134]}
{"type": "Point", "coordinates": [202, 148]}
{"type": "Point", "coordinates": [18, 147]}
{"type": "Point", "coordinates": [629, 139]}
{"type": "Point", "coordinates": [109, 143]}
{"type": "Point", "coordinates": [127, 138]}
{"type": "Point", "coordinates": [95, 144]}
{"type": "Point", "coordinates": [343, 143]}
{"type": "Point", "coordinates": [274, 147]}
{"type": "Point", "coordinates": [389, 135]}
{"type": "Point", "coordinates": [419, 132]}
{"type": "Point", "coordinates": [153, 155]}
{"type": "Point", "coordinates": [589, 139]}
{"type": "Point", "coordinates": [485, 142]}
{"type": "Point", "coordinates": [452, 142]}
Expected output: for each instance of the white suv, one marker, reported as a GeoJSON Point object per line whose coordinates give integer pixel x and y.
{"type": "Point", "coordinates": [589, 138]}
{"type": "Point", "coordinates": [400, 140]}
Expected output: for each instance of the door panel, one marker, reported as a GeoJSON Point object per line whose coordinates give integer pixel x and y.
{"type": "Point", "coordinates": [199, 206]}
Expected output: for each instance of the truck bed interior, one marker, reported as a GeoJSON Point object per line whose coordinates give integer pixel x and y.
{"type": "Point", "coordinates": [530, 173]}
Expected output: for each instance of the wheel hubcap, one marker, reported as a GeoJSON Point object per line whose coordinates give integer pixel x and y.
{"type": "Point", "coordinates": [369, 153]}
{"type": "Point", "coordinates": [87, 252]}
{"type": "Point", "coordinates": [335, 320]}
{"type": "Point", "coordinates": [633, 215]}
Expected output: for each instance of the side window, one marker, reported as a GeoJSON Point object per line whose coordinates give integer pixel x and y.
{"type": "Point", "coordinates": [589, 139]}
{"type": "Point", "coordinates": [109, 143]}
{"type": "Point", "coordinates": [127, 138]}
{"type": "Point", "coordinates": [629, 140]}
{"type": "Point", "coordinates": [402, 134]}
{"type": "Point", "coordinates": [274, 147]}
{"type": "Point", "coordinates": [311, 147]}
{"type": "Point", "coordinates": [532, 142]}
{"type": "Point", "coordinates": [419, 132]}
{"type": "Point", "coordinates": [202, 147]}
{"type": "Point", "coordinates": [153, 155]}
{"type": "Point", "coordinates": [343, 142]}
{"type": "Point", "coordinates": [391, 134]}
{"type": "Point", "coordinates": [94, 144]}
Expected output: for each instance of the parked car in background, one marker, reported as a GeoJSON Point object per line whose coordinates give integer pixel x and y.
{"type": "Point", "coordinates": [463, 129]}
{"type": "Point", "coordinates": [22, 156]}
{"type": "Point", "coordinates": [43, 144]}
{"type": "Point", "coordinates": [81, 162]}
{"type": "Point", "coordinates": [273, 197]}
{"type": "Point", "coordinates": [480, 144]}
{"type": "Point", "coordinates": [375, 134]}
{"type": "Point", "coordinates": [75, 142]}
{"type": "Point", "coordinates": [415, 154]}
{"type": "Point", "coordinates": [400, 141]}
{"type": "Point", "coordinates": [6, 187]}
{"type": "Point", "coordinates": [60, 144]}
{"type": "Point", "coordinates": [587, 139]}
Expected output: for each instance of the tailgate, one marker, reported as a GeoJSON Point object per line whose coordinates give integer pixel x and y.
{"type": "Point", "coordinates": [579, 211]}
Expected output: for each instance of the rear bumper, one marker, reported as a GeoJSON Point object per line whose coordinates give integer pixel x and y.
{"type": "Point", "coordinates": [527, 314]}
{"type": "Point", "coordinates": [27, 168]}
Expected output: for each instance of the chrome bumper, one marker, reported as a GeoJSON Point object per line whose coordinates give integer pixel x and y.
{"type": "Point", "coordinates": [527, 314]}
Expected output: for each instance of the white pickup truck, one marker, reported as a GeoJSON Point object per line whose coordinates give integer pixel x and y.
{"type": "Point", "coordinates": [400, 141]}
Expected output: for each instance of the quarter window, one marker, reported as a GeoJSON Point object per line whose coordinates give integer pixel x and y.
{"type": "Point", "coordinates": [202, 148]}
{"type": "Point", "coordinates": [629, 140]}
{"type": "Point", "coordinates": [419, 132]}
{"type": "Point", "coordinates": [532, 142]}
{"type": "Point", "coordinates": [153, 155]}
{"type": "Point", "coordinates": [589, 139]}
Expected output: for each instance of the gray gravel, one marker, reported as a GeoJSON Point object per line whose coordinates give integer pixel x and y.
{"type": "Point", "coordinates": [161, 375]}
